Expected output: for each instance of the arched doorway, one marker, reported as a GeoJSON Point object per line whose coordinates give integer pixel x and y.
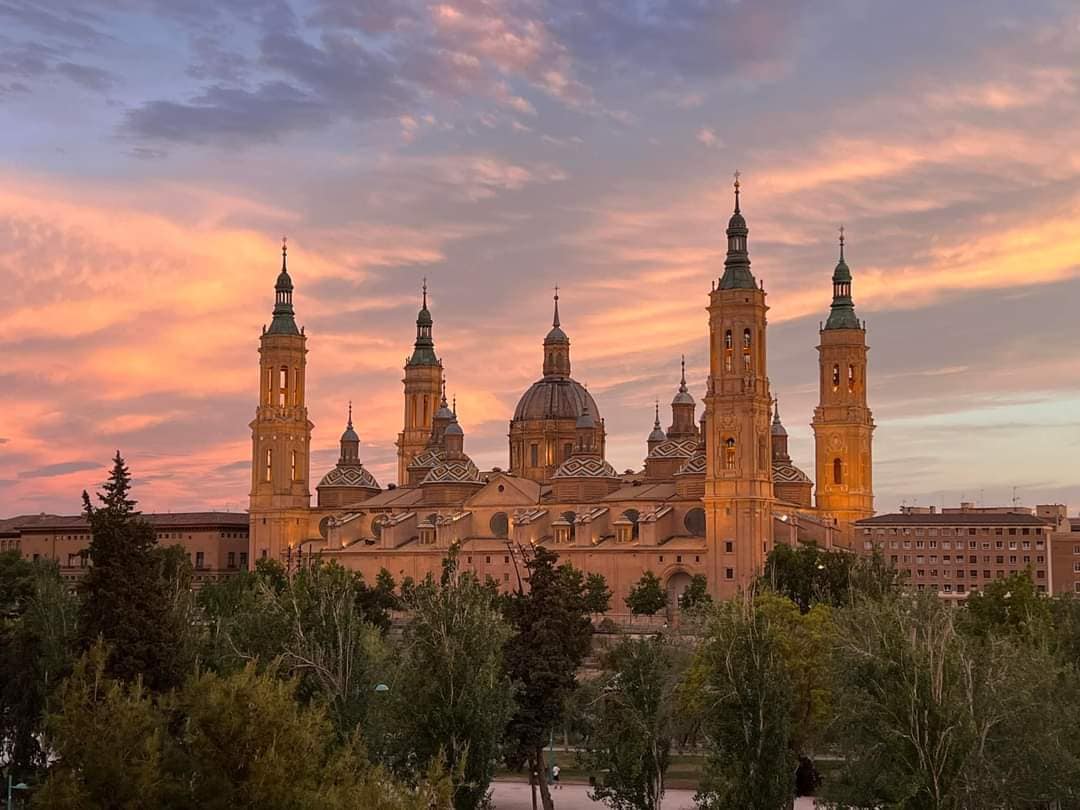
{"type": "Point", "coordinates": [677, 582]}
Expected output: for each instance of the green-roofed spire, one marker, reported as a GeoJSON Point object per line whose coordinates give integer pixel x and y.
{"type": "Point", "coordinates": [283, 323]}
{"type": "Point", "coordinates": [842, 315]}
{"type": "Point", "coordinates": [424, 348]}
{"type": "Point", "coordinates": [737, 275]}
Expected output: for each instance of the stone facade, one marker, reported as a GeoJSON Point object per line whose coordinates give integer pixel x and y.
{"type": "Point", "coordinates": [711, 497]}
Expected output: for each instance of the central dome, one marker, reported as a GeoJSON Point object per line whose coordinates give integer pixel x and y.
{"type": "Point", "coordinates": [555, 398]}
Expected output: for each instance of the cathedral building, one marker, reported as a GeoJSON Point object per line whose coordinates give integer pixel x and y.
{"type": "Point", "coordinates": [713, 493]}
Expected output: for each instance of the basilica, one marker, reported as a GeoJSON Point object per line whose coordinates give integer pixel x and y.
{"type": "Point", "coordinates": [713, 494]}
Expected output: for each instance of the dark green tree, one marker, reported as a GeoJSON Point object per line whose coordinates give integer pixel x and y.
{"type": "Point", "coordinates": [696, 594]}
{"type": "Point", "coordinates": [746, 698]}
{"type": "Point", "coordinates": [633, 723]}
{"type": "Point", "coordinates": [127, 599]}
{"type": "Point", "coordinates": [37, 650]}
{"type": "Point", "coordinates": [553, 634]}
{"type": "Point", "coordinates": [597, 593]}
{"type": "Point", "coordinates": [1010, 606]}
{"type": "Point", "coordinates": [450, 698]}
{"type": "Point", "coordinates": [810, 575]}
{"type": "Point", "coordinates": [647, 597]}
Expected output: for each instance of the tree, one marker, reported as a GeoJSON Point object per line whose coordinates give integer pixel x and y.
{"type": "Point", "coordinates": [928, 717]}
{"type": "Point", "coordinates": [696, 594]}
{"type": "Point", "coordinates": [126, 598]}
{"type": "Point", "coordinates": [633, 722]}
{"type": "Point", "coordinates": [810, 575]}
{"type": "Point", "coordinates": [1010, 606]}
{"type": "Point", "coordinates": [553, 636]}
{"type": "Point", "coordinates": [451, 697]}
{"type": "Point", "coordinates": [37, 651]}
{"type": "Point", "coordinates": [241, 740]}
{"type": "Point", "coordinates": [597, 593]}
{"type": "Point", "coordinates": [647, 597]}
{"type": "Point", "coordinates": [747, 699]}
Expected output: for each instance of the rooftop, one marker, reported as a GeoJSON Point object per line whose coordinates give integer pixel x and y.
{"type": "Point", "coordinates": [953, 519]}
{"type": "Point", "coordinates": [159, 520]}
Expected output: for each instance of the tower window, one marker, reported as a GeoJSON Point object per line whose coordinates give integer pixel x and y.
{"type": "Point", "coordinates": [835, 377]}
{"type": "Point", "coordinates": [426, 405]}
{"type": "Point", "coordinates": [534, 455]}
{"type": "Point", "coordinates": [296, 386]}
{"type": "Point", "coordinates": [851, 378]}
{"type": "Point", "coordinates": [837, 471]}
{"type": "Point", "coordinates": [283, 386]}
{"type": "Point", "coordinates": [292, 466]}
{"type": "Point", "coordinates": [746, 350]}
{"type": "Point", "coordinates": [414, 420]}
{"type": "Point", "coordinates": [269, 386]}
{"type": "Point", "coordinates": [729, 454]}
{"type": "Point", "coordinates": [727, 350]}
{"type": "Point", "coordinates": [269, 465]}
{"type": "Point", "coordinates": [727, 339]}
{"type": "Point", "coordinates": [568, 450]}
{"type": "Point", "coordinates": [746, 339]}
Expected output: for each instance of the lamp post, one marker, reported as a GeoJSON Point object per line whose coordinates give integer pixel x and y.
{"type": "Point", "coordinates": [11, 787]}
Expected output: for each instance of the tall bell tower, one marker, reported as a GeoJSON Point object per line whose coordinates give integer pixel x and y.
{"type": "Point", "coordinates": [423, 390]}
{"type": "Point", "coordinates": [738, 478]}
{"type": "Point", "coordinates": [280, 433]}
{"type": "Point", "coordinates": [843, 424]}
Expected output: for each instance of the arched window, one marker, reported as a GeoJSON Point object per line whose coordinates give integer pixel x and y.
{"type": "Point", "coordinates": [283, 386]}
{"type": "Point", "coordinates": [269, 465]}
{"type": "Point", "coordinates": [292, 467]}
{"type": "Point", "coordinates": [746, 350]}
{"type": "Point", "coordinates": [851, 378]}
{"type": "Point", "coordinates": [426, 406]}
{"type": "Point", "coordinates": [571, 518]}
{"type": "Point", "coordinates": [269, 386]}
{"type": "Point", "coordinates": [746, 339]}
{"type": "Point", "coordinates": [695, 522]}
{"type": "Point", "coordinates": [633, 515]}
{"type": "Point", "coordinates": [727, 350]}
{"type": "Point", "coordinates": [837, 471]}
{"type": "Point", "coordinates": [499, 524]}
{"type": "Point", "coordinates": [727, 339]}
{"type": "Point", "coordinates": [413, 421]}
{"type": "Point", "coordinates": [835, 377]}
{"type": "Point", "coordinates": [729, 454]}
{"type": "Point", "coordinates": [296, 386]}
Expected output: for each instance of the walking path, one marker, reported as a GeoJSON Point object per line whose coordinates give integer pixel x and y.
{"type": "Point", "coordinates": [518, 796]}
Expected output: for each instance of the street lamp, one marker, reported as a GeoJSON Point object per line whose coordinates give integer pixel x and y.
{"type": "Point", "coordinates": [11, 787]}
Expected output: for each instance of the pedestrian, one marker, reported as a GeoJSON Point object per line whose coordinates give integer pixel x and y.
{"type": "Point", "coordinates": [555, 776]}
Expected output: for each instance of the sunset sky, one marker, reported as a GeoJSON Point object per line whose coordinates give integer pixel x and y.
{"type": "Point", "coordinates": [154, 152]}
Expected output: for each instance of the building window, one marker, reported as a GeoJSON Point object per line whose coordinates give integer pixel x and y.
{"type": "Point", "coordinates": [729, 454]}
{"type": "Point", "coordinates": [729, 573]}
{"type": "Point", "coordinates": [568, 450]}
{"type": "Point", "coordinates": [851, 379]}
{"type": "Point", "coordinates": [283, 386]}
{"type": "Point", "coordinates": [837, 471]}
{"type": "Point", "coordinates": [243, 559]}
{"type": "Point", "coordinates": [534, 454]}
{"type": "Point", "coordinates": [835, 377]}
{"type": "Point", "coordinates": [200, 560]}
{"type": "Point", "coordinates": [729, 546]}
{"type": "Point", "coordinates": [746, 349]}
{"type": "Point", "coordinates": [727, 350]}
{"type": "Point", "coordinates": [232, 559]}
{"type": "Point", "coordinates": [292, 466]}
{"type": "Point", "coordinates": [269, 465]}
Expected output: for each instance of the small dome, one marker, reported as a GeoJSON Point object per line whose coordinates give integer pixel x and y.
{"type": "Point", "coordinates": [457, 471]}
{"type": "Point", "coordinates": [787, 473]}
{"type": "Point", "coordinates": [349, 435]}
{"type": "Point", "coordinates": [683, 398]}
{"type": "Point", "coordinates": [284, 281]}
{"type": "Point", "coordinates": [454, 429]}
{"type": "Point", "coordinates": [349, 476]}
{"type": "Point", "coordinates": [737, 222]}
{"type": "Point", "coordinates": [555, 398]}
{"type": "Point", "coordinates": [675, 448]}
{"type": "Point", "coordinates": [423, 318]}
{"type": "Point", "coordinates": [657, 434]}
{"type": "Point", "coordinates": [842, 272]}
{"type": "Point", "coordinates": [556, 335]}
{"type": "Point", "coordinates": [778, 429]}
{"type": "Point", "coordinates": [585, 467]}
{"type": "Point", "coordinates": [585, 420]}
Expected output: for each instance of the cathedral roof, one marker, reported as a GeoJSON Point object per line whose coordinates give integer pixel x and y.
{"type": "Point", "coordinates": [675, 448]}
{"type": "Point", "coordinates": [454, 471]}
{"type": "Point", "coordinates": [695, 465]}
{"type": "Point", "coordinates": [585, 467]}
{"type": "Point", "coordinates": [349, 476]}
{"type": "Point", "coordinates": [784, 472]}
{"type": "Point", "coordinates": [555, 398]}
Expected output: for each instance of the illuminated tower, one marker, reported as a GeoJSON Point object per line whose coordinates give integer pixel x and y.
{"type": "Point", "coordinates": [423, 388]}
{"type": "Point", "coordinates": [738, 479]}
{"type": "Point", "coordinates": [843, 425]}
{"type": "Point", "coordinates": [280, 433]}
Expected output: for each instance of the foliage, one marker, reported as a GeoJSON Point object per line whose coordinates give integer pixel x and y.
{"type": "Point", "coordinates": [647, 597]}
{"type": "Point", "coordinates": [235, 741]}
{"type": "Point", "coordinates": [37, 649]}
{"type": "Point", "coordinates": [450, 698]}
{"type": "Point", "coordinates": [696, 595]}
{"type": "Point", "coordinates": [1010, 606]}
{"type": "Point", "coordinates": [926, 717]}
{"type": "Point", "coordinates": [746, 694]}
{"type": "Point", "coordinates": [633, 723]}
{"type": "Point", "coordinates": [126, 596]}
{"type": "Point", "coordinates": [810, 575]}
{"type": "Point", "coordinates": [597, 593]}
{"type": "Point", "coordinates": [553, 634]}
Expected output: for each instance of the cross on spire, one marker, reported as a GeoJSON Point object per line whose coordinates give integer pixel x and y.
{"type": "Point", "coordinates": [555, 320]}
{"type": "Point", "coordinates": [350, 413]}
{"type": "Point", "coordinates": [738, 174]}
{"type": "Point", "coordinates": [841, 241]}
{"type": "Point", "coordinates": [424, 287]}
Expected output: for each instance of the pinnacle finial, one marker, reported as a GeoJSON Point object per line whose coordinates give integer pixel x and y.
{"type": "Point", "coordinates": [656, 422]}
{"type": "Point", "coordinates": [443, 403]}
{"type": "Point", "coordinates": [682, 380]}
{"type": "Point", "coordinates": [424, 288]}
{"type": "Point", "coordinates": [284, 250]}
{"type": "Point", "coordinates": [555, 321]}
{"type": "Point", "coordinates": [738, 174]}
{"type": "Point", "coordinates": [841, 243]}
{"type": "Point", "coordinates": [776, 410]}
{"type": "Point", "coordinates": [454, 409]}
{"type": "Point", "coordinates": [350, 413]}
